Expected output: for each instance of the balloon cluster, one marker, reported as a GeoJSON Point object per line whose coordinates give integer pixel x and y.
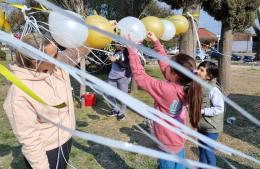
{"type": "Point", "coordinates": [71, 34]}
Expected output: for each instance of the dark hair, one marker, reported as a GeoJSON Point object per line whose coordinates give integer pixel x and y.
{"type": "Point", "coordinates": [193, 91]}
{"type": "Point", "coordinates": [211, 68]}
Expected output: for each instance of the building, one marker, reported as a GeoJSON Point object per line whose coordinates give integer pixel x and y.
{"type": "Point", "coordinates": [242, 42]}
{"type": "Point", "coordinates": [207, 39]}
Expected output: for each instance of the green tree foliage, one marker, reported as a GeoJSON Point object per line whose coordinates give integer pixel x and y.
{"type": "Point", "coordinates": [177, 4]}
{"type": "Point", "coordinates": [77, 6]}
{"type": "Point", "coordinates": [114, 9]}
{"type": "Point", "coordinates": [236, 14]}
{"type": "Point", "coordinates": [158, 9]}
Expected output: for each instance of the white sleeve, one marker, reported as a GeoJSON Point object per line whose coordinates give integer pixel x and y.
{"type": "Point", "coordinates": [217, 102]}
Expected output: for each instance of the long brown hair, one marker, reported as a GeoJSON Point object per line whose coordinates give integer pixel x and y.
{"type": "Point", "coordinates": [193, 91]}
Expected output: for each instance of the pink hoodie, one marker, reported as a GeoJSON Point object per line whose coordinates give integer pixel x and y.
{"type": "Point", "coordinates": [168, 98]}
{"type": "Point", "coordinates": [34, 134]}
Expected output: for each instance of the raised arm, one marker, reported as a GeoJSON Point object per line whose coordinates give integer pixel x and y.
{"type": "Point", "coordinates": [158, 47]}
{"type": "Point", "coordinates": [73, 56]}
{"type": "Point", "coordinates": [144, 81]}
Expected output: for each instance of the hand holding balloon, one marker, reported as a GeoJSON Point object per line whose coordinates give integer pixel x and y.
{"type": "Point", "coordinates": [152, 36]}
{"type": "Point", "coordinates": [132, 26]}
{"type": "Point", "coordinates": [113, 23]}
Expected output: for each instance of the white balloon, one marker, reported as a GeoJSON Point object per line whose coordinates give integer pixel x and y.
{"type": "Point", "coordinates": [169, 30]}
{"type": "Point", "coordinates": [134, 27]}
{"type": "Point", "coordinates": [67, 32]}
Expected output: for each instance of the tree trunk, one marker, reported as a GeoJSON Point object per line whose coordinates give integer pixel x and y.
{"type": "Point", "coordinates": [224, 62]}
{"type": "Point", "coordinates": [257, 56]}
{"type": "Point", "coordinates": [257, 31]}
{"type": "Point", "coordinates": [188, 41]}
{"type": "Point", "coordinates": [83, 68]}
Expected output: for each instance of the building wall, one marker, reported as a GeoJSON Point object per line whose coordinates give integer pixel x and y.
{"type": "Point", "coordinates": [242, 46]}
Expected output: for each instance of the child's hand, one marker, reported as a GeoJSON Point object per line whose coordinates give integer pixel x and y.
{"type": "Point", "coordinates": [151, 36]}
{"type": "Point", "coordinates": [128, 36]}
{"type": "Point", "coordinates": [112, 58]}
{"type": "Point", "coordinates": [113, 23]}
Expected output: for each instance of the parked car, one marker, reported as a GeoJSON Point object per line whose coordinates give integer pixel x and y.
{"type": "Point", "coordinates": [235, 57]}
{"type": "Point", "coordinates": [214, 54]}
{"type": "Point", "coordinates": [248, 59]}
{"type": "Point", "coordinates": [201, 55]}
{"type": "Point", "coordinates": [173, 51]}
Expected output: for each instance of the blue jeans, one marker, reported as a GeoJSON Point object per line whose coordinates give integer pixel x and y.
{"type": "Point", "coordinates": [207, 156]}
{"type": "Point", "coordinates": [165, 164]}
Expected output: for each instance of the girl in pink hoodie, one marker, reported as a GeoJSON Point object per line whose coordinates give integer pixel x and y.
{"type": "Point", "coordinates": [174, 96]}
{"type": "Point", "coordinates": [42, 143]}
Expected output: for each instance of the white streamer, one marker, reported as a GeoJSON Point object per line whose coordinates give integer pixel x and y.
{"type": "Point", "coordinates": [128, 146]}
{"type": "Point", "coordinates": [130, 101]}
{"type": "Point", "coordinates": [153, 54]}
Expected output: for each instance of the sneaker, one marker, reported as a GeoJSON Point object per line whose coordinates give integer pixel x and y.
{"type": "Point", "coordinates": [112, 113]}
{"type": "Point", "coordinates": [121, 117]}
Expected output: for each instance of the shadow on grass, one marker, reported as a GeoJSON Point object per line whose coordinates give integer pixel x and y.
{"type": "Point", "coordinates": [101, 106]}
{"type": "Point", "coordinates": [18, 159]}
{"type": "Point", "coordinates": [222, 164]}
{"type": "Point", "coordinates": [137, 137]}
{"type": "Point", "coordinates": [105, 156]}
{"type": "Point", "coordinates": [242, 128]}
{"type": "Point", "coordinates": [81, 123]}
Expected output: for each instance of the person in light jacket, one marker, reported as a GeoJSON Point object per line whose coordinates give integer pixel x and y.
{"type": "Point", "coordinates": [43, 145]}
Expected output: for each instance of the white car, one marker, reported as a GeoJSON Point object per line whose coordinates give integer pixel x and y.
{"type": "Point", "coordinates": [173, 51]}
{"type": "Point", "coordinates": [201, 55]}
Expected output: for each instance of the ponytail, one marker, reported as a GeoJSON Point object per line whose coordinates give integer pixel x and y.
{"type": "Point", "coordinates": [192, 89]}
{"type": "Point", "coordinates": [194, 100]}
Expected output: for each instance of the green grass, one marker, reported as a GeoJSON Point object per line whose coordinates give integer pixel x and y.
{"type": "Point", "coordinates": [242, 135]}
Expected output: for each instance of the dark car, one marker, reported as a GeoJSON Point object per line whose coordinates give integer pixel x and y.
{"type": "Point", "coordinates": [248, 59]}
{"type": "Point", "coordinates": [214, 54]}
{"type": "Point", "coordinates": [235, 57]}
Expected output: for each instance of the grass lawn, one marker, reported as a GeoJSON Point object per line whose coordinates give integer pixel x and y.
{"type": "Point", "coordinates": [242, 135]}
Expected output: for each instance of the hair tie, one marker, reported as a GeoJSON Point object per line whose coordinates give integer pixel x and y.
{"type": "Point", "coordinates": [194, 71]}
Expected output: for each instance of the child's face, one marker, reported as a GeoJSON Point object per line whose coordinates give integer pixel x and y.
{"type": "Point", "coordinates": [119, 47]}
{"type": "Point", "coordinates": [202, 73]}
{"type": "Point", "coordinates": [51, 50]}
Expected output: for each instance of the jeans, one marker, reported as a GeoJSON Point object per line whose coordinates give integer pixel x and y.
{"type": "Point", "coordinates": [165, 164]}
{"type": "Point", "coordinates": [53, 155]}
{"type": "Point", "coordinates": [121, 84]}
{"type": "Point", "coordinates": [208, 156]}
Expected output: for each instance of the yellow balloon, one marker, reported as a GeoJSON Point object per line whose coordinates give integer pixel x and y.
{"type": "Point", "coordinates": [154, 25]}
{"type": "Point", "coordinates": [96, 39]}
{"type": "Point", "coordinates": [180, 22]}
{"type": "Point", "coordinates": [2, 18]}
{"type": "Point", "coordinates": [7, 26]}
